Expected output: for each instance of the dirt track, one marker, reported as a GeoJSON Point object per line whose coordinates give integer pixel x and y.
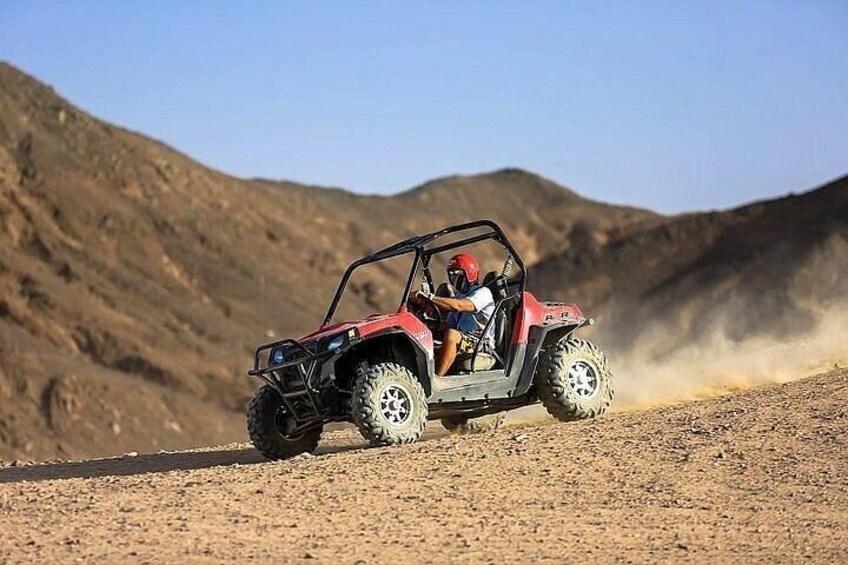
{"type": "Point", "coordinates": [760, 476]}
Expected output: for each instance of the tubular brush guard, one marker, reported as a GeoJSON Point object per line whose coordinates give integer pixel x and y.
{"type": "Point", "coordinates": [294, 378]}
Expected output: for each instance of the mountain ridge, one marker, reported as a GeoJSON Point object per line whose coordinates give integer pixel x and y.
{"type": "Point", "coordinates": [764, 256]}
{"type": "Point", "coordinates": [134, 282]}
{"type": "Point", "coordinates": [127, 269]}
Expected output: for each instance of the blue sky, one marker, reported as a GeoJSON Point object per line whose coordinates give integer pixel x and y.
{"type": "Point", "coordinates": [670, 105]}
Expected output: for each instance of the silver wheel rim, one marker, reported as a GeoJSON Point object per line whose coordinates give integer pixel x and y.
{"type": "Point", "coordinates": [583, 379]}
{"type": "Point", "coordinates": [395, 404]}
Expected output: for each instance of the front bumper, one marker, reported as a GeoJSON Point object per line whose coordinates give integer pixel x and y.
{"type": "Point", "coordinates": [297, 379]}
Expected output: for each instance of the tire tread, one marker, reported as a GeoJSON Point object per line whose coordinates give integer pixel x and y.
{"type": "Point", "coordinates": [552, 390]}
{"type": "Point", "coordinates": [364, 415]}
{"type": "Point", "coordinates": [263, 433]}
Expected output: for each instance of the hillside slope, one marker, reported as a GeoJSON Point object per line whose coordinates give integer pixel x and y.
{"type": "Point", "coordinates": [134, 282]}
{"type": "Point", "coordinates": [771, 269]}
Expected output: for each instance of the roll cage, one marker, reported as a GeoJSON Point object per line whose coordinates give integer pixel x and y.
{"type": "Point", "coordinates": [424, 247]}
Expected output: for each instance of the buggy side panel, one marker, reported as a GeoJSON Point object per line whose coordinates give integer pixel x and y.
{"type": "Point", "coordinates": [489, 388]}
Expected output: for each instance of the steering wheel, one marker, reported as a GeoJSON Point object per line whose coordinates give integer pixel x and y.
{"type": "Point", "coordinates": [430, 314]}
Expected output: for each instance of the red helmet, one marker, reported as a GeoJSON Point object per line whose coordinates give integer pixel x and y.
{"type": "Point", "coordinates": [467, 265]}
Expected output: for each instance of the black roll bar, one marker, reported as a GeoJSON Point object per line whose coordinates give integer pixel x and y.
{"type": "Point", "coordinates": [417, 244]}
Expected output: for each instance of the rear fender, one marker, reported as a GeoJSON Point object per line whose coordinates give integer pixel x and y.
{"type": "Point", "coordinates": [531, 313]}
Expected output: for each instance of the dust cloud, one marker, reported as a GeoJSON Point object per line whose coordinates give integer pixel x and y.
{"type": "Point", "coordinates": [716, 365]}
{"type": "Point", "coordinates": [652, 374]}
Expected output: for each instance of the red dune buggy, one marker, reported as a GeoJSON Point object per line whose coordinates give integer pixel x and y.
{"type": "Point", "coordinates": [378, 371]}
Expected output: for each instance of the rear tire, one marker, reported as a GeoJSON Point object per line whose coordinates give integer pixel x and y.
{"type": "Point", "coordinates": [467, 426]}
{"type": "Point", "coordinates": [267, 421]}
{"type": "Point", "coordinates": [574, 381]}
{"type": "Point", "coordinates": [388, 405]}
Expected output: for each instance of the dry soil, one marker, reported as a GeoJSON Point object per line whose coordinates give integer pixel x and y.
{"type": "Point", "coordinates": [756, 476]}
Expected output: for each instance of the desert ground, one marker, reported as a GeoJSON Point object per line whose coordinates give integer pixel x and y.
{"type": "Point", "coordinates": [757, 476]}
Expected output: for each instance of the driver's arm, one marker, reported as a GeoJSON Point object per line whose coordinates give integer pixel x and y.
{"type": "Point", "coordinates": [453, 304]}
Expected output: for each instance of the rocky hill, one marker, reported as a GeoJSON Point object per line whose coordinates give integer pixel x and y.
{"type": "Point", "coordinates": [134, 282]}
{"type": "Point", "coordinates": [769, 269]}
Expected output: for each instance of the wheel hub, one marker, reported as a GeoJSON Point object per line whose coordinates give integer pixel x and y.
{"type": "Point", "coordinates": [583, 379]}
{"type": "Point", "coordinates": [286, 424]}
{"type": "Point", "coordinates": [395, 404]}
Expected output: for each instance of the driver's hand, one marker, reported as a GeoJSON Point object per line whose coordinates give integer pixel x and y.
{"type": "Point", "coordinates": [424, 296]}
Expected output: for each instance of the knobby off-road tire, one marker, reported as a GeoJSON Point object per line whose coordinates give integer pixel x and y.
{"type": "Point", "coordinates": [266, 423]}
{"type": "Point", "coordinates": [388, 405]}
{"type": "Point", "coordinates": [466, 426]}
{"type": "Point", "coordinates": [574, 381]}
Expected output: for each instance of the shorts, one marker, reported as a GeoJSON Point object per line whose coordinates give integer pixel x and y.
{"type": "Point", "coordinates": [467, 343]}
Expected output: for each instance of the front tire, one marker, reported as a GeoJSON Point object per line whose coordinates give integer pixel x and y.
{"type": "Point", "coordinates": [467, 426]}
{"type": "Point", "coordinates": [388, 405]}
{"type": "Point", "coordinates": [267, 422]}
{"type": "Point", "coordinates": [574, 381]}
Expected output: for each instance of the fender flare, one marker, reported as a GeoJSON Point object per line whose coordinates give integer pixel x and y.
{"type": "Point", "coordinates": [423, 364]}
{"type": "Point", "coordinates": [539, 338]}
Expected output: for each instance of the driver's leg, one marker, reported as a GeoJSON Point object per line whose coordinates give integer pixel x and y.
{"type": "Point", "coordinates": [447, 353]}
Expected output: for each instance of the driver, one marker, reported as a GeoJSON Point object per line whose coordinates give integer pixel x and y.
{"type": "Point", "coordinates": [468, 312]}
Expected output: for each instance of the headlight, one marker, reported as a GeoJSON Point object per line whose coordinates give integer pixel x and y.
{"type": "Point", "coordinates": [336, 342]}
{"type": "Point", "coordinates": [278, 356]}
